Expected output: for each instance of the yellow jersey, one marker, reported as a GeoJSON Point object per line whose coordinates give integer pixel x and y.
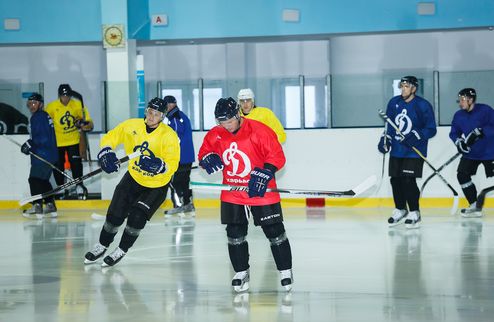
{"type": "Point", "coordinates": [64, 120]}
{"type": "Point", "coordinates": [267, 117]}
{"type": "Point", "coordinates": [162, 143]}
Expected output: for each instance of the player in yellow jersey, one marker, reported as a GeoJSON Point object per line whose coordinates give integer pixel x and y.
{"type": "Point", "coordinates": [249, 110]}
{"type": "Point", "coordinates": [143, 187]}
{"type": "Point", "coordinates": [69, 116]}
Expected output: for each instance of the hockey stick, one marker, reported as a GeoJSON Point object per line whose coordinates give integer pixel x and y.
{"type": "Point", "coordinates": [455, 193]}
{"type": "Point", "coordinates": [439, 170]}
{"type": "Point", "coordinates": [39, 158]}
{"type": "Point", "coordinates": [83, 133]}
{"type": "Point", "coordinates": [365, 185]}
{"type": "Point", "coordinates": [75, 181]}
{"type": "Point", "coordinates": [481, 197]}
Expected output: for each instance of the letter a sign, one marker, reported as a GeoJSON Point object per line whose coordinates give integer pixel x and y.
{"type": "Point", "coordinates": [159, 20]}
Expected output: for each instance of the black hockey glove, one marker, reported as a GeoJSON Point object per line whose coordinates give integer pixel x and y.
{"type": "Point", "coordinates": [152, 164]}
{"type": "Point", "coordinates": [258, 183]}
{"type": "Point", "coordinates": [108, 160]}
{"type": "Point", "coordinates": [384, 144]}
{"type": "Point", "coordinates": [475, 135]}
{"type": "Point", "coordinates": [26, 147]}
{"type": "Point", "coordinates": [462, 146]}
{"type": "Point", "coordinates": [211, 163]}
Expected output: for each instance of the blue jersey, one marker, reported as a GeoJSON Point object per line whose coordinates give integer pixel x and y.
{"type": "Point", "coordinates": [415, 115]}
{"type": "Point", "coordinates": [481, 116]}
{"type": "Point", "coordinates": [43, 138]}
{"type": "Point", "coordinates": [180, 123]}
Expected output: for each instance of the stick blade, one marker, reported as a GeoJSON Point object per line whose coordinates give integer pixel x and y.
{"type": "Point", "coordinates": [27, 200]}
{"type": "Point", "coordinates": [366, 185]}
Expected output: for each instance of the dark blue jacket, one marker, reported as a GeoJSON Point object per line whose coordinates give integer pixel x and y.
{"type": "Point", "coordinates": [481, 116]}
{"type": "Point", "coordinates": [415, 115]}
{"type": "Point", "coordinates": [43, 138]}
{"type": "Point", "coordinates": [180, 123]}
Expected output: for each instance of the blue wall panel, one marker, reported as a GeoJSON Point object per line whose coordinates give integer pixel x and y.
{"type": "Point", "coordinates": [80, 20]}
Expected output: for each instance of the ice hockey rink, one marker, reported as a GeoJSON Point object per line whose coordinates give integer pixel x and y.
{"type": "Point", "coordinates": [348, 266]}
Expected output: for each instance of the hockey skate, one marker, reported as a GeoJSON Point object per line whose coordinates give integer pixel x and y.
{"type": "Point", "coordinates": [35, 212]}
{"type": "Point", "coordinates": [240, 281]}
{"type": "Point", "coordinates": [286, 279]}
{"type": "Point", "coordinates": [50, 210]}
{"type": "Point", "coordinates": [397, 216]}
{"type": "Point", "coordinates": [472, 211]}
{"type": "Point", "coordinates": [174, 211]}
{"type": "Point", "coordinates": [114, 257]}
{"type": "Point", "coordinates": [189, 207]}
{"type": "Point", "coordinates": [96, 253]}
{"type": "Point", "coordinates": [413, 220]}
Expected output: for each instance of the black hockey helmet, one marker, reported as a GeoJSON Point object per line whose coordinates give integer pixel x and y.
{"type": "Point", "coordinates": [225, 109]}
{"type": "Point", "coordinates": [64, 90]}
{"type": "Point", "coordinates": [412, 80]}
{"type": "Point", "coordinates": [157, 104]}
{"type": "Point", "coordinates": [36, 97]}
{"type": "Point", "coordinates": [469, 93]}
{"type": "Point", "coordinates": [170, 99]}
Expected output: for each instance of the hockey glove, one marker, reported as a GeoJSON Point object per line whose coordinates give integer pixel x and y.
{"type": "Point", "coordinates": [152, 164]}
{"type": "Point", "coordinates": [211, 163]}
{"type": "Point", "coordinates": [258, 183]}
{"type": "Point", "coordinates": [474, 136]}
{"type": "Point", "coordinates": [384, 144]}
{"type": "Point", "coordinates": [108, 160]}
{"type": "Point", "coordinates": [462, 146]}
{"type": "Point", "coordinates": [412, 138]}
{"type": "Point", "coordinates": [26, 147]}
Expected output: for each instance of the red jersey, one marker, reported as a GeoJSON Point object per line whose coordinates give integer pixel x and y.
{"type": "Point", "coordinates": [253, 145]}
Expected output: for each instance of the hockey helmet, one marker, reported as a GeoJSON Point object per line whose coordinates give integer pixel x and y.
{"type": "Point", "coordinates": [64, 90]}
{"type": "Point", "coordinates": [225, 109]}
{"type": "Point", "coordinates": [157, 104]}
{"type": "Point", "coordinates": [412, 80]}
{"type": "Point", "coordinates": [170, 99]}
{"type": "Point", "coordinates": [469, 93]}
{"type": "Point", "coordinates": [36, 97]}
{"type": "Point", "coordinates": [245, 94]}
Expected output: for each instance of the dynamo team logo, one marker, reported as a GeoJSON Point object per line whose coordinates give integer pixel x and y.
{"type": "Point", "coordinates": [240, 162]}
{"type": "Point", "coordinates": [404, 123]}
{"type": "Point", "coordinates": [68, 120]}
{"type": "Point", "coordinates": [144, 149]}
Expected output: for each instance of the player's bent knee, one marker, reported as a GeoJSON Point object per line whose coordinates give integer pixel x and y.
{"type": "Point", "coordinates": [463, 178]}
{"type": "Point", "coordinates": [274, 230]}
{"type": "Point", "coordinates": [236, 231]}
{"type": "Point", "coordinates": [137, 219]}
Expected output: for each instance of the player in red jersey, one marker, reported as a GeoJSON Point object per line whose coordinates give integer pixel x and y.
{"type": "Point", "coordinates": [249, 154]}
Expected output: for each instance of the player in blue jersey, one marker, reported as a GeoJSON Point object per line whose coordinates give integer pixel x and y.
{"type": "Point", "coordinates": [42, 143]}
{"type": "Point", "coordinates": [181, 194]}
{"type": "Point", "coordinates": [414, 116]}
{"type": "Point", "coordinates": [472, 131]}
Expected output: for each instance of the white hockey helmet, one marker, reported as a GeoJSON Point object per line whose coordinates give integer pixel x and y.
{"type": "Point", "coordinates": [245, 94]}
